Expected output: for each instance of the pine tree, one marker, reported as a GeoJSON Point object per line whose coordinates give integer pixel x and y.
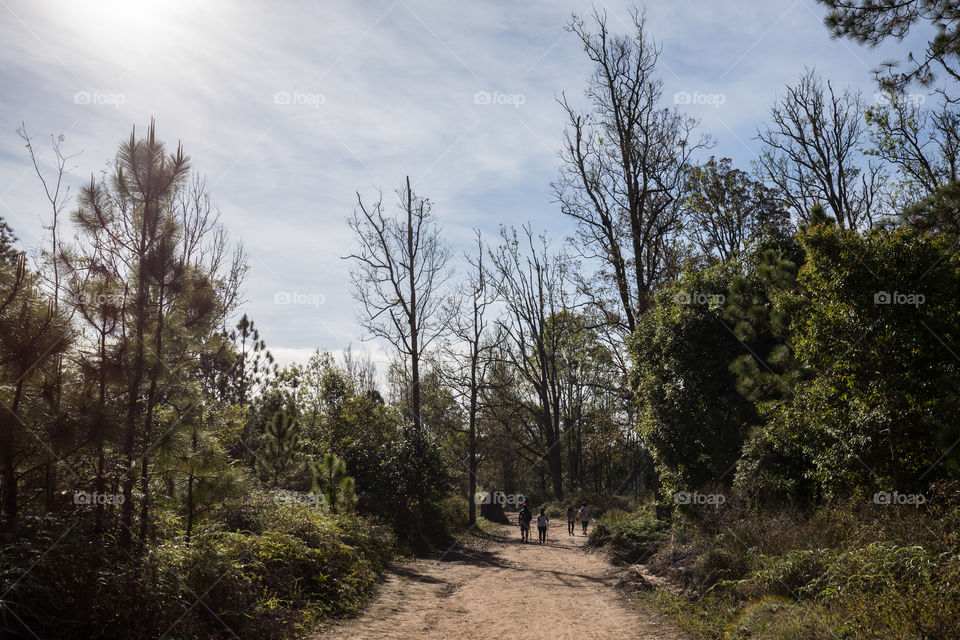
{"type": "Point", "coordinates": [198, 466]}
{"type": "Point", "coordinates": [255, 363]}
{"type": "Point", "coordinates": [938, 212]}
{"type": "Point", "coordinates": [281, 448]}
{"type": "Point", "coordinates": [32, 334]}
{"type": "Point", "coordinates": [818, 215]}
{"type": "Point", "coordinates": [767, 371]}
{"type": "Point", "coordinates": [149, 236]}
{"type": "Point", "coordinates": [135, 212]}
{"type": "Point", "coordinates": [330, 478]}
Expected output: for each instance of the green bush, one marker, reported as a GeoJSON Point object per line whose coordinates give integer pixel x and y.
{"type": "Point", "coordinates": [717, 564]}
{"type": "Point", "coordinates": [556, 510]}
{"type": "Point", "coordinates": [629, 537]}
{"type": "Point", "coordinates": [791, 576]}
{"type": "Point", "coordinates": [639, 526]}
{"type": "Point", "coordinates": [837, 572]}
{"type": "Point", "coordinates": [59, 578]}
{"type": "Point", "coordinates": [264, 570]}
{"type": "Point", "coordinates": [456, 512]}
{"type": "Point", "coordinates": [271, 580]}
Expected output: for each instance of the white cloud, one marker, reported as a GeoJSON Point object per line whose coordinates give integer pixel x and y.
{"type": "Point", "coordinates": [397, 81]}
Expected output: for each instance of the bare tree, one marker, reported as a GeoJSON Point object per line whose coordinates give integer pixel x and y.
{"type": "Point", "coordinates": [52, 269]}
{"type": "Point", "coordinates": [472, 355]}
{"type": "Point", "coordinates": [400, 271]}
{"type": "Point", "coordinates": [923, 144]}
{"type": "Point", "coordinates": [812, 153]}
{"type": "Point", "coordinates": [57, 194]}
{"type": "Point", "coordinates": [624, 165]}
{"type": "Point", "coordinates": [205, 243]}
{"type": "Point", "coordinates": [530, 282]}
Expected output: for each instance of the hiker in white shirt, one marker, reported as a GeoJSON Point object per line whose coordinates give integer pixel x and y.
{"type": "Point", "coordinates": [542, 521]}
{"type": "Point", "coordinates": [584, 517]}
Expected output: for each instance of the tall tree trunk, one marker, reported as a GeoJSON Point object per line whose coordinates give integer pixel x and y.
{"type": "Point", "coordinates": [148, 420]}
{"type": "Point", "coordinates": [472, 448]}
{"type": "Point", "coordinates": [101, 482]}
{"type": "Point", "coordinates": [553, 456]}
{"type": "Point", "coordinates": [414, 330]}
{"type": "Point", "coordinates": [136, 380]}
{"type": "Point", "coordinates": [556, 469]}
{"type": "Point", "coordinates": [189, 505]}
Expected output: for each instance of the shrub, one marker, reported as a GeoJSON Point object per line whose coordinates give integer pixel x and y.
{"type": "Point", "coordinates": [629, 537]}
{"type": "Point", "coordinates": [718, 564]}
{"type": "Point", "coordinates": [836, 572]}
{"type": "Point", "coordinates": [789, 576]}
{"type": "Point", "coordinates": [264, 570]}
{"type": "Point", "coordinates": [639, 526]}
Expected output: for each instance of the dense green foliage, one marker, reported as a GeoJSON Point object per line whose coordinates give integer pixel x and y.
{"type": "Point", "coordinates": [692, 415]}
{"type": "Point", "coordinates": [263, 569]}
{"type": "Point", "coordinates": [834, 572]}
{"type": "Point", "coordinates": [875, 406]}
{"type": "Point", "coordinates": [154, 457]}
{"type": "Point", "coordinates": [637, 527]}
{"type": "Point", "coordinates": [834, 381]}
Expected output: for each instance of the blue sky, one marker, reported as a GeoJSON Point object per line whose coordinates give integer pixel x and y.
{"type": "Point", "coordinates": [290, 107]}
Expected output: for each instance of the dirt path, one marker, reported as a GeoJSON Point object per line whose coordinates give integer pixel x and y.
{"type": "Point", "coordinates": [505, 589]}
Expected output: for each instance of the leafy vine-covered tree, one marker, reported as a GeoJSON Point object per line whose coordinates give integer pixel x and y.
{"type": "Point", "coordinates": [725, 208]}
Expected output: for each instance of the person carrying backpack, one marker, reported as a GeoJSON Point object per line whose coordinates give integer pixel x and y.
{"type": "Point", "coordinates": [525, 517]}
{"type": "Point", "coordinates": [571, 519]}
{"type": "Point", "coordinates": [542, 521]}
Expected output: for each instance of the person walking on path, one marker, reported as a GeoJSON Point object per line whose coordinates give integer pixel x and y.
{"type": "Point", "coordinates": [571, 519]}
{"type": "Point", "coordinates": [542, 521]}
{"type": "Point", "coordinates": [584, 517]}
{"type": "Point", "coordinates": [525, 517]}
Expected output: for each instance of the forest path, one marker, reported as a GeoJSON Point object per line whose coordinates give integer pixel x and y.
{"type": "Point", "coordinates": [505, 589]}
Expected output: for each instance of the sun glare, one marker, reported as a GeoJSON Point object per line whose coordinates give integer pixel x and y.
{"type": "Point", "coordinates": [128, 23]}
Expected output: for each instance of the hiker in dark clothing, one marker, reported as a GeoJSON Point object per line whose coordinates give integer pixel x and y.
{"type": "Point", "coordinates": [525, 517]}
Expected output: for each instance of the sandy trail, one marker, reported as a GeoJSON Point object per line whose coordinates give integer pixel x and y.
{"type": "Point", "coordinates": [505, 589]}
